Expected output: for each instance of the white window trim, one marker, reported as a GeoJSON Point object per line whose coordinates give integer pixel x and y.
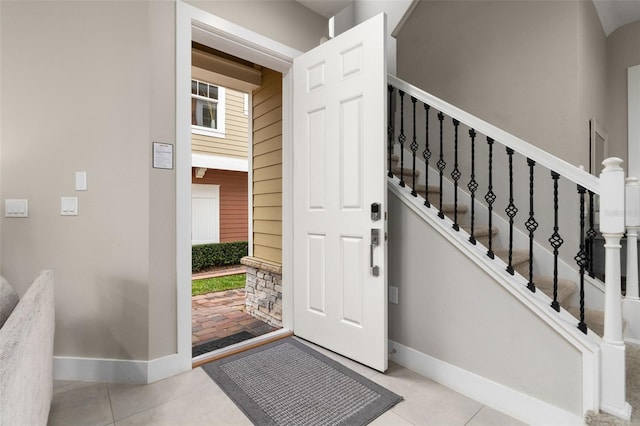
{"type": "Point", "coordinates": [220, 131]}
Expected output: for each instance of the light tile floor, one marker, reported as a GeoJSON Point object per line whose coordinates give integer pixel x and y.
{"type": "Point", "coordinates": [192, 399]}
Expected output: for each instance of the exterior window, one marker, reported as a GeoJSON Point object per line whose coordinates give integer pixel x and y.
{"type": "Point", "coordinates": [207, 108]}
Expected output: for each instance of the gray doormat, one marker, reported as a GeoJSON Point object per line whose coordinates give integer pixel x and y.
{"type": "Point", "coordinates": [288, 383]}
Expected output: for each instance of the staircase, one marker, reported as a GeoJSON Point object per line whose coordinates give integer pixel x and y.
{"type": "Point", "coordinates": [427, 170]}
{"type": "Point", "coordinates": [520, 258]}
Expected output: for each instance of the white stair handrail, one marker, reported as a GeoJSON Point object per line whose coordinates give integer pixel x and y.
{"type": "Point", "coordinates": [538, 155]}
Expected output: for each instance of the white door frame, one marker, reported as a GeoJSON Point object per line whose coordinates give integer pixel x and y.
{"type": "Point", "coordinates": [201, 26]}
{"type": "Point", "coordinates": [633, 142]}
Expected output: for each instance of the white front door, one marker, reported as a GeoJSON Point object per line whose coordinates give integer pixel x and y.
{"type": "Point", "coordinates": [339, 98]}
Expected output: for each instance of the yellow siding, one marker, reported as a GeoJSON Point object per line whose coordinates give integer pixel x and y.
{"type": "Point", "coordinates": [267, 168]}
{"type": "Point", "coordinates": [235, 142]}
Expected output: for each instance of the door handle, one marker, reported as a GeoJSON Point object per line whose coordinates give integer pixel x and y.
{"type": "Point", "coordinates": [375, 240]}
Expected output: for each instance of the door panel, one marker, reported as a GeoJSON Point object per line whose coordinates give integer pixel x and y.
{"type": "Point", "coordinates": [339, 171]}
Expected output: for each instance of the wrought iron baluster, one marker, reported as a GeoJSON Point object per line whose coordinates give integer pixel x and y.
{"type": "Point", "coordinates": [591, 234]}
{"type": "Point", "coordinates": [426, 155]}
{"type": "Point", "coordinates": [441, 163]}
{"type": "Point", "coordinates": [401, 138]}
{"type": "Point", "coordinates": [581, 260]}
{"type": "Point", "coordinates": [531, 224]}
{"type": "Point", "coordinates": [490, 197]}
{"type": "Point", "coordinates": [414, 148]}
{"type": "Point", "coordinates": [511, 211]}
{"type": "Point", "coordinates": [390, 128]}
{"type": "Point", "coordinates": [473, 185]}
{"type": "Point", "coordinates": [455, 175]}
{"type": "Point", "coordinates": [555, 240]}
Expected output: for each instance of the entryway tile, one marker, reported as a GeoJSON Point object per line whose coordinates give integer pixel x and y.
{"type": "Point", "coordinates": [127, 400]}
{"type": "Point", "coordinates": [207, 406]}
{"type": "Point", "coordinates": [489, 417]}
{"type": "Point", "coordinates": [81, 403]}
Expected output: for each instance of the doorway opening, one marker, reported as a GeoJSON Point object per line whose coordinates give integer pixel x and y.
{"type": "Point", "coordinates": [236, 199]}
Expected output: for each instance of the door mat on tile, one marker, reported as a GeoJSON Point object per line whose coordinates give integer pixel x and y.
{"type": "Point", "coordinates": [213, 345]}
{"type": "Point", "coordinates": [288, 383]}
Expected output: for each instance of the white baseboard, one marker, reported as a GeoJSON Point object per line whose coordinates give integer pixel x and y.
{"type": "Point", "coordinates": [509, 401]}
{"type": "Point", "coordinates": [116, 370]}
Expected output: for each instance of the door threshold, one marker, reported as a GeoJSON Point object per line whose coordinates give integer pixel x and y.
{"type": "Point", "coordinates": [240, 347]}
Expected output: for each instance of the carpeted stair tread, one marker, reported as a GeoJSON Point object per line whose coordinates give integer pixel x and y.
{"type": "Point", "coordinates": [518, 257]}
{"type": "Point", "coordinates": [421, 189]}
{"type": "Point", "coordinates": [565, 287]}
{"type": "Point", "coordinates": [405, 171]}
{"type": "Point", "coordinates": [481, 231]}
{"type": "Point", "coordinates": [448, 208]}
{"type": "Point", "coordinates": [594, 319]}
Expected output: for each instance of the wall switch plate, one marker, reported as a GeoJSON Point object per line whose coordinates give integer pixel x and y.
{"type": "Point", "coordinates": [81, 181]}
{"type": "Point", "coordinates": [16, 208]}
{"type": "Point", "coordinates": [393, 294]}
{"type": "Point", "coordinates": [69, 206]}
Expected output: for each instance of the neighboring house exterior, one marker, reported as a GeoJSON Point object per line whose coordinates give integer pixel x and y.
{"type": "Point", "coordinates": [107, 251]}
{"type": "Point", "coordinates": [220, 134]}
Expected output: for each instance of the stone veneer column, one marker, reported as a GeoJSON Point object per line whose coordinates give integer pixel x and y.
{"type": "Point", "coordinates": [263, 299]}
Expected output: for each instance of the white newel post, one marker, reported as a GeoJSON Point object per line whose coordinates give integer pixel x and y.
{"type": "Point", "coordinates": [612, 373]}
{"type": "Point", "coordinates": [631, 303]}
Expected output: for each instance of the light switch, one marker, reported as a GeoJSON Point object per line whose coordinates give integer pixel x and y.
{"type": "Point", "coordinates": [81, 181]}
{"type": "Point", "coordinates": [69, 206]}
{"type": "Point", "coordinates": [16, 208]}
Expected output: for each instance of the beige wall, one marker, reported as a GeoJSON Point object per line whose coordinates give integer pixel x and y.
{"type": "Point", "coordinates": [267, 168]}
{"type": "Point", "coordinates": [235, 141]}
{"type": "Point", "coordinates": [592, 75]}
{"type": "Point", "coordinates": [103, 76]}
{"type": "Point", "coordinates": [94, 111]}
{"type": "Point", "coordinates": [622, 52]}
{"type": "Point", "coordinates": [285, 21]}
{"type": "Point", "coordinates": [513, 64]}
{"type": "Point", "coordinates": [461, 315]}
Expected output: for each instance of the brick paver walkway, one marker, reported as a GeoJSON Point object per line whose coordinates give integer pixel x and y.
{"type": "Point", "coordinates": [221, 314]}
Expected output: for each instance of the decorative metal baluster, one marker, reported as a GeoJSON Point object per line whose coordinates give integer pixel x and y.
{"type": "Point", "coordinates": [441, 164]}
{"type": "Point", "coordinates": [455, 175]}
{"type": "Point", "coordinates": [426, 155]}
{"type": "Point", "coordinates": [490, 198]}
{"type": "Point", "coordinates": [473, 185]}
{"type": "Point", "coordinates": [401, 138]}
{"type": "Point", "coordinates": [414, 148]}
{"type": "Point", "coordinates": [511, 211]}
{"type": "Point", "coordinates": [591, 234]}
{"type": "Point", "coordinates": [390, 128]}
{"type": "Point", "coordinates": [531, 225]}
{"type": "Point", "coordinates": [555, 240]}
{"type": "Point", "coordinates": [581, 260]}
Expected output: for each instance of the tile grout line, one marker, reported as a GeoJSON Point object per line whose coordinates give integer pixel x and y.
{"type": "Point", "coordinates": [113, 417]}
{"type": "Point", "coordinates": [474, 416]}
{"type": "Point", "coordinates": [204, 385]}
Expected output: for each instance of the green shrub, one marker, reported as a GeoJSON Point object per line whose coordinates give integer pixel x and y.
{"type": "Point", "coordinates": [221, 254]}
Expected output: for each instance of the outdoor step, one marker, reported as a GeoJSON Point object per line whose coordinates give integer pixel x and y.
{"type": "Point", "coordinates": [545, 284]}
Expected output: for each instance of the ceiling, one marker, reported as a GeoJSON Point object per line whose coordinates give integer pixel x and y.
{"type": "Point", "coordinates": [616, 13]}
{"type": "Point", "coordinates": [613, 13]}
{"type": "Point", "coordinates": [326, 8]}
